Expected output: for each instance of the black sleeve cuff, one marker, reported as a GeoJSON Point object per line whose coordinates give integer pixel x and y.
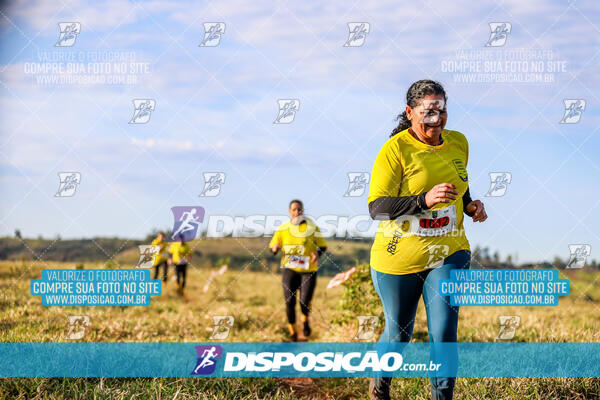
{"type": "Point", "coordinates": [466, 200]}
{"type": "Point", "coordinates": [421, 201]}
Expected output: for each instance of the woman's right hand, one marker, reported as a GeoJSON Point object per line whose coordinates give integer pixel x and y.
{"type": "Point", "coordinates": [442, 193]}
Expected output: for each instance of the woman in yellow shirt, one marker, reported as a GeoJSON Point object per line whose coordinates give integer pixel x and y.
{"type": "Point", "coordinates": [419, 190]}
{"type": "Point", "coordinates": [180, 255]}
{"type": "Point", "coordinates": [160, 257]}
{"type": "Point", "coordinates": [301, 245]}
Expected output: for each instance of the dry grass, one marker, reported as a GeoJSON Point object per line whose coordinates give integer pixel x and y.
{"type": "Point", "coordinates": [255, 301]}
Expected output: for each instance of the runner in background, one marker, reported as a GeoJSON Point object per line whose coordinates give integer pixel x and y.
{"type": "Point", "coordinates": [160, 257]}
{"type": "Point", "coordinates": [301, 245]}
{"type": "Point", "coordinates": [419, 190]}
{"type": "Point", "coordinates": [180, 255]}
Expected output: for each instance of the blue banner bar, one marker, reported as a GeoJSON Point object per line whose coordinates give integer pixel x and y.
{"type": "Point", "coordinates": [299, 359]}
{"type": "Point", "coordinates": [504, 287]}
{"type": "Point", "coordinates": [95, 287]}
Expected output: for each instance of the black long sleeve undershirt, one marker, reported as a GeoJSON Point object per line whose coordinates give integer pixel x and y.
{"type": "Point", "coordinates": [390, 208]}
{"type": "Point", "coordinates": [466, 200]}
{"type": "Point", "coordinates": [321, 251]}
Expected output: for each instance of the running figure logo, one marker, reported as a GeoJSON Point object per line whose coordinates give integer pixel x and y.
{"type": "Point", "coordinates": [498, 183]}
{"type": "Point", "coordinates": [573, 110]}
{"type": "Point", "coordinates": [212, 34]}
{"type": "Point", "coordinates": [142, 109]}
{"type": "Point", "coordinates": [358, 33]}
{"type": "Point", "coordinates": [147, 252]}
{"type": "Point", "coordinates": [207, 359]}
{"type": "Point", "coordinates": [68, 33]}
{"type": "Point", "coordinates": [222, 327]}
{"type": "Point", "coordinates": [357, 184]}
{"type": "Point", "coordinates": [186, 220]}
{"type": "Point", "coordinates": [498, 34]}
{"type": "Point", "coordinates": [437, 254]}
{"type": "Point", "coordinates": [287, 110]}
{"type": "Point", "coordinates": [212, 184]}
{"type": "Point", "coordinates": [508, 326]}
{"type": "Point", "coordinates": [431, 110]}
{"type": "Point", "coordinates": [579, 254]}
{"type": "Point", "coordinates": [367, 324]}
{"type": "Point", "coordinates": [77, 326]}
{"type": "Point", "coordinates": [68, 183]}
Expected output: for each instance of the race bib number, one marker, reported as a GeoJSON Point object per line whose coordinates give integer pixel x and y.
{"type": "Point", "coordinates": [295, 257]}
{"type": "Point", "coordinates": [434, 223]}
{"type": "Point", "coordinates": [301, 262]}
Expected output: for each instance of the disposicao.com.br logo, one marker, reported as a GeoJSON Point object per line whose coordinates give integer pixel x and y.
{"type": "Point", "coordinates": [293, 363]}
{"type": "Point", "coordinates": [207, 359]}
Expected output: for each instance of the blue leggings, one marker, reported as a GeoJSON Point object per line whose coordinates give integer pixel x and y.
{"type": "Point", "coordinates": [400, 296]}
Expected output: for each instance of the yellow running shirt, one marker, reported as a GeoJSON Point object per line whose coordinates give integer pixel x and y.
{"type": "Point", "coordinates": [178, 251]}
{"type": "Point", "coordinates": [161, 255]}
{"type": "Point", "coordinates": [406, 166]}
{"type": "Point", "coordinates": [298, 242]}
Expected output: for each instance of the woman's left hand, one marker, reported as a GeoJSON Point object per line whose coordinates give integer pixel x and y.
{"type": "Point", "coordinates": [476, 207]}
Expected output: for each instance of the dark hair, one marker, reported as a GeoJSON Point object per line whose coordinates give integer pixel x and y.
{"type": "Point", "coordinates": [415, 93]}
{"type": "Point", "coordinates": [296, 201]}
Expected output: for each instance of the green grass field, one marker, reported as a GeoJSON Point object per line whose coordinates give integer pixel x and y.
{"type": "Point", "coordinates": [255, 300]}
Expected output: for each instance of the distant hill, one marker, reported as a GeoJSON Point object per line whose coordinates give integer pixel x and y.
{"type": "Point", "coordinates": [239, 253]}
{"type": "Point", "coordinates": [80, 250]}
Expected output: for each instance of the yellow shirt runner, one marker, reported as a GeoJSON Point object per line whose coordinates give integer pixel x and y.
{"type": "Point", "coordinates": [179, 252]}
{"type": "Point", "coordinates": [161, 255]}
{"type": "Point", "coordinates": [407, 167]}
{"type": "Point", "coordinates": [298, 242]}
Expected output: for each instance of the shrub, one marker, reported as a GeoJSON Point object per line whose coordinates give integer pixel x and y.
{"type": "Point", "coordinates": [111, 264]}
{"type": "Point", "coordinates": [359, 297]}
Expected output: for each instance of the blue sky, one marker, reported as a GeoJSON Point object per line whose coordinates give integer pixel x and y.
{"type": "Point", "coordinates": [215, 108]}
